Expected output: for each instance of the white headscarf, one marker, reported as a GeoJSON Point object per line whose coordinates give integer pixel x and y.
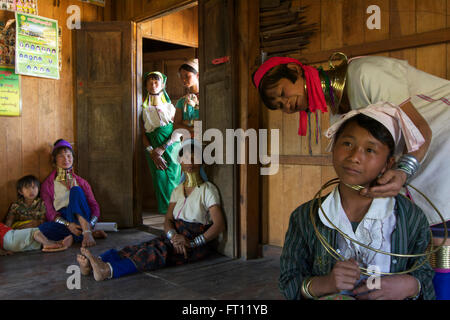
{"type": "Point", "coordinates": [393, 118]}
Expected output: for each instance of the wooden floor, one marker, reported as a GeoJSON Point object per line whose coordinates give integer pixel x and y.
{"type": "Point", "coordinates": [36, 275]}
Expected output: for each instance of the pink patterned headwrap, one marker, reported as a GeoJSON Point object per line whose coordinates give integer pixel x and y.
{"type": "Point", "coordinates": [316, 98]}
{"type": "Point", "coordinates": [398, 123]}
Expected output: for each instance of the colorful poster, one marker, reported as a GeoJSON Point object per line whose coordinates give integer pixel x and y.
{"type": "Point", "coordinates": [96, 2]}
{"type": "Point", "coordinates": [7, 43]}
{"type": "Point", "coordinates": [9, 5]}
{"type": "Point", "coordinates": [37, 52]}
{"type": "Point", "coordinates": [10, 103]}
{"type": "Point", "coordinates": [25, 6]}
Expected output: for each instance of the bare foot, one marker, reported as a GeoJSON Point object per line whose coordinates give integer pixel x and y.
{"type": "Point", "coordinates": [99, 234]}
{"type": "Point", "coordinates": [85, 265]}
{"type": "Point", "coordinates": [67, 241]}
{"type": "Point", "coordinates": [88, 240]}
{"type": "Point", "coordinates": [46, 243]}
{"type": "Point", "coordinates": [101, 269]}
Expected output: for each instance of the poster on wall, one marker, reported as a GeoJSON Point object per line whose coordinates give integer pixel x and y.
{"type": "Point", "coordinates": [10, 103]}
{"type": "Point", "coordinates": [96, 2]}
{"type": "Point", "coordinates": [37, 50]}
{"type": "Point", "coordinates": [25, 6]}
{"type": "Point", "coordinates": [7, 43]}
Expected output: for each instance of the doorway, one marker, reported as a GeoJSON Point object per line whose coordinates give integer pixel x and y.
{"type": "Point", "coordinates": [109, 94]}
{"type": "Point", "coordinates": [164, 43]}
{"type": "Point", "coordinates": [206, 29]}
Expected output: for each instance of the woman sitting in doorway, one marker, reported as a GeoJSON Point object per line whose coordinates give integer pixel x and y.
{"type": "Point", "coordinates": [69, 200]}
{"type": "Point", "coordinates": [193, 220]}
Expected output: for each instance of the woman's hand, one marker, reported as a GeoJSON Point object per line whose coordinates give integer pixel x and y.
{"type": "Point", "coordinates": [75, 228]}
{"type": "Point", "coordinates": [181, 244]}
{"type": "Point", "coordinates": [389, 185]}
{"type": "Point", "coordinates": [159, 151]}
{"type": "Point", "coordinates": [396, 287]}
{"type": "Point", "coordinates": [344, 275]}
{"type": "Point", "coordinates": [159, 162]}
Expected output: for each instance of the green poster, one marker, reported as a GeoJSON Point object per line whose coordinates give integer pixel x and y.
{"type": "Point", "coordinates": [10, 103]}
{"type": "Point", "coordinates": [37, 52]}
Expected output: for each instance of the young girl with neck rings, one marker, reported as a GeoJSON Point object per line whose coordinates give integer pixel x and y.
{"type": "Point", "coordinates": [363, 146]}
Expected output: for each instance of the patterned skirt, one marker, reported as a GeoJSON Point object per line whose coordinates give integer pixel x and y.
{"type": "Point", "coordinates": [159, 252]}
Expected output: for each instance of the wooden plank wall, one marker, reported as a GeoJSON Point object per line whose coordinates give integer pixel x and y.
{"type": "Point", "coordinates": [343, 23]}
{"type": "Point", "coordinates": [48, 109]}
{"type": "Point", "coordinates": [179, 27]}
{"type": "Point", "coordinates": [136, 10]}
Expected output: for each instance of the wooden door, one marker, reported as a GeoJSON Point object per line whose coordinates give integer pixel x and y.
{"type": "Point", "coordinates": [106, 116]}
{"type": "Point", "coordinates": [217, 101]}
{"type": "Point", "coordinates": [167, 62]}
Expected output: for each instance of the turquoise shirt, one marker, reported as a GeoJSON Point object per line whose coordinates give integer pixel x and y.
{"type": "Point", "coordinates": [191, 113]}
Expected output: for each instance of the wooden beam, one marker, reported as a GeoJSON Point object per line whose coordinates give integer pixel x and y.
{"type": "Point", "coordinates": [160, 8]}
{"type": "Point", "coordinates": [247, 27]}
{"type": "Point", "coordinates": [404, 42]}
{"type": "Point", "coordinates": [306, 160]}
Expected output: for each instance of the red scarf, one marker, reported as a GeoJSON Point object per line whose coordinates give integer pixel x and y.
{"type": "Point", "coordinates": [316, 97]}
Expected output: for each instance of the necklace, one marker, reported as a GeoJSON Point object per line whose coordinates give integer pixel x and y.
{"type": "Point", "coordinates": [337, 256]}
{"type": "Point", "coordinates": [193, 179]}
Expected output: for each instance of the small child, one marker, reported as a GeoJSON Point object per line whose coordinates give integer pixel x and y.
{"type": "Point", "coordinates": [29, 209]}
{"type": "Point", "coordinates": [363, 147]}
{"type": "Point", "coordinates": [28, 239]}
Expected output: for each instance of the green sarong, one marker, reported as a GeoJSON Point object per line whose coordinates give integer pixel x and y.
{"type": "Point", "coordinates": [164, 181]}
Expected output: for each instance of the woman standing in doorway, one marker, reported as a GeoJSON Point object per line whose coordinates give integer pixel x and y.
{"type": "Point", "coordinates": [188, 106]}
{"type": "Point", "coordinates": [160, 141]}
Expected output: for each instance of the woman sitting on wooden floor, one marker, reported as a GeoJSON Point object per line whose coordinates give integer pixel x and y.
{"type": "Point", "coordinates": [194, 218]}
{"type": "Point", "coordinates": [69, 201]}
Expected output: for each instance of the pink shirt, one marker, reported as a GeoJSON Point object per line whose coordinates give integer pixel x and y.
{"type": "Point", "coordinates": [48, 195]}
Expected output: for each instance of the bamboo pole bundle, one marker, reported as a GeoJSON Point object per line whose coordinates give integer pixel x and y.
{"type": "Point", "coordinates": [283, 30]}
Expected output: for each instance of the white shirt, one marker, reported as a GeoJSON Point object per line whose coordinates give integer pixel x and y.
{"type": "Point", "coordinates": [157, 116]}
{"type": "Point", "coordinates": [374, 230]}
{"type": "Point", "coordinates": [195, 208]}
{"type": "Point", "coordinates": [62, 195]}
{"type": "Point", "coordinates": [372, 79]}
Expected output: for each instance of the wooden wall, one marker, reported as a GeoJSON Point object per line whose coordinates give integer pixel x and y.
{"type": "Point", "coordinates": [135, 10]}
{"type": "Point", "coordinates": [342, 23]}
{"type": "Point", "coordinates": [47, 109]}
{"type": "Point", "coordinates": [179, 27]}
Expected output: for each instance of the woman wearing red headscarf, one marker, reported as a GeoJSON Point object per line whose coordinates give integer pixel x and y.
{"type": "Point", "coordinates": [288, 85]}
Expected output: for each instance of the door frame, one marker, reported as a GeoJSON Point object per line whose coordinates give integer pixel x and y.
{"type": "Point", "coordinates": [138, 98]}
{"type": "Point", "coordinates": [247, 226]}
